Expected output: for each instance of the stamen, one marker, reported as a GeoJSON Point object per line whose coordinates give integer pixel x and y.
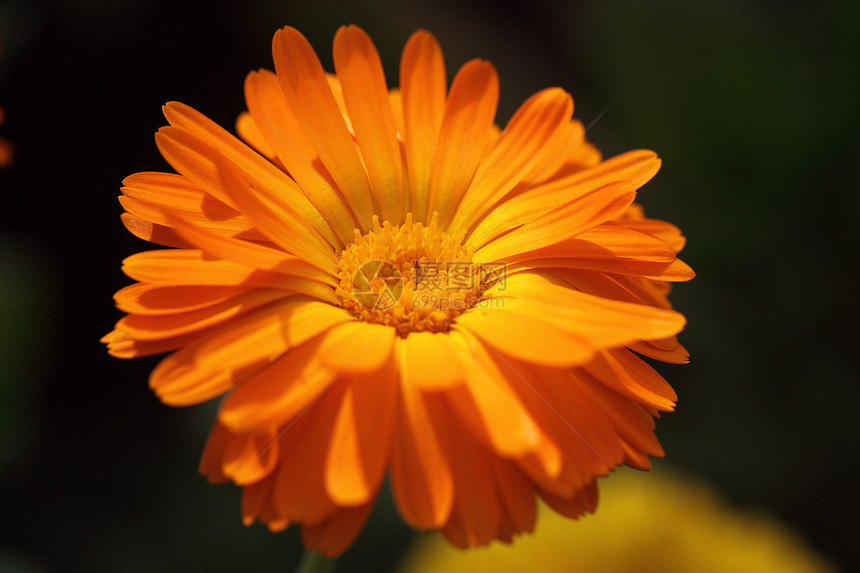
{"type": "Point", "coordinates": [412, 276]}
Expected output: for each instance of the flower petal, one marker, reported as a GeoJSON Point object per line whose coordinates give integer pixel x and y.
{"type": "Point", "coordinates": [430, 360]}
{"type": "Point", "coordinates": [532, 129]}
{"type": "Point", "coordinates": [469, 115]}
{"type": "Point", "coordinates": [233, 354]}
{"type": "Point", "coordinates": [489, 407]}
{"type": "Point", "coordinates": [630, 376]}
{"type": "Point", "coordinates": [253, 254]}
{"type": "Point", "coordinates": [421, 477]}
{"type": "Point", "coordinates": [304, 84]}
{"type": "Point", "coordinates": [360, 447]}
{"type": "Point", "coordinates": [154, 327]}
{"type": "Point", "coordinates": [476, 512]}
{"type": "Point", "coordinates": [198, 129]}
{"type": "Point", "coordinates": [333, 535]}
{"type": "Point", "coordinates": [366, 97]}
{"type": "Point", "coordinates": [632, 169]}
{"type": "Point", "coordinates": [278, 124]}
{"type": "Point", "coordinates": [423, 86]}
{"type": "Point", "coordinates": [585, 212]}
{"type": "Point", "coordinates": [608, 249]}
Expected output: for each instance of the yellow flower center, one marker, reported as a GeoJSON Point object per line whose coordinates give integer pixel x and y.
{"type": "Point", "coordinates": [412, 276]}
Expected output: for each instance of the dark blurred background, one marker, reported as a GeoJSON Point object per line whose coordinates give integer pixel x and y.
{"type": "Point", "coordinates": [753, 107]}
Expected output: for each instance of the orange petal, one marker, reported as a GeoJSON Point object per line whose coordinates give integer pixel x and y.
{"type": "Point", "coordinates": [299, 493]}
{"type": "Point", "coordinates": [611, 250]}
{"type": "Point", "coordinates": [630, 376]}
{"type": "Point", "coordinates": [421, 477]}
{"type": "Point", "coordinates": [423, 85]}
{"type": "Point", "coordinates": [252, 254]}
{"type": "Point", "coordinates": [675, 355]}
{"type": "Point", "coordinates": [153, 232]}
{"type": "Point", "coordinates": [240, 349]}
{"type": "Point", "coordinates": [517, 331]}
{"type": "Point", "coordinates": [469, 114]}
{"type": "Point", "coordinates": [604, 323]}
{"type": "Point", "coordinates": [531, 131]}
{"type": "Point", "coordinates": [633, 169]}
{"type": "Point", "coordinates": [366, 97]}
{"type": "Point", "coordinates": [154, 300]}
{"type": "Point", "coordinates": [430, 360]}
{"type": "Point", "coordinates": [190, 267]}
{"type": "Point", "coordinates": [282, 131]}
{"type": "Point", "coordinates": [154, 327]}
{"type": "Point", "coordinates": [516, 494]}
{"type": "Point", "coordinates": [247, 129]}
{"type": "Point", "coordinates": [359, 450]}
{"type": "Point", "coordinates": [357, 347]}
{"type": "Point", "coordinates": [281, 226]}
{"type": "Point", "coordinates": [248, 459]}
{"type": "Point", "coordinates": [304, 84]}
{"type": "Point", "coordinates": [280, 392]}
{"type": "Point", "coordinates": [150, 195]}
{"type": "Point", "coordinates": [332, 536]}
{"type": "Point", "coordinates": [220, 143]}
{"type": "Point", "coordinates": [257, 504]}
{"type": "Point", "coordinates": [633, 424]}
{"type": "Point", "coordinates": [568, 153]}
{"type": "Point", "coordinates": [489, 407]}
{"type": "Point", "coordinates": [476, 511]}
{"type": "Point", "coordinates": [210, 462]}
{"type": "Point", "coordinates": [582, 502]}
{"type": "Point", "coordinates": [558, 223]}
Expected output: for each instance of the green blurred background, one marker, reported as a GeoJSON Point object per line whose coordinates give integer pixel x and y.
{"type": "Point", "coordinates": [753, 107]}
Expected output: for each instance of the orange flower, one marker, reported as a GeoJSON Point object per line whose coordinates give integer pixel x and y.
{"type": "Point", "coordinates": [392, 285]}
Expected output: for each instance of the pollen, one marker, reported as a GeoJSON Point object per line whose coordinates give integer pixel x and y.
{"type": "Point", "coordinates": [411, 276]}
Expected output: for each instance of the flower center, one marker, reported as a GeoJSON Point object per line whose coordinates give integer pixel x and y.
{"type": "Point", "coordinates": [412, 277]}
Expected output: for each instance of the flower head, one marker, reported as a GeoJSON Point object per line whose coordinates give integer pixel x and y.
{"type": "Point", "coordinates": [383, 282]}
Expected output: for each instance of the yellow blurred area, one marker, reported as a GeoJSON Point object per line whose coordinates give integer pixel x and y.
{"type": "Point", "coordinates": [658, 522]}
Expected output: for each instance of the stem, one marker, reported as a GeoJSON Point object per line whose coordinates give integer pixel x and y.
{"type": "Point", "coordinates": [314, 562]}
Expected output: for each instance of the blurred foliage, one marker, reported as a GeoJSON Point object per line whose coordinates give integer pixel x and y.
{"type": "Point", "coordinates": [752, 106]}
